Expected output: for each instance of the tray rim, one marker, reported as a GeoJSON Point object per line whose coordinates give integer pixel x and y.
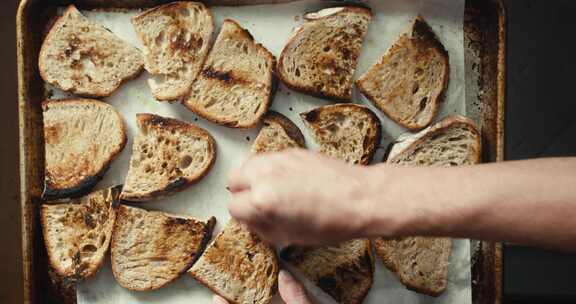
{"type": "Point", "coordinates": [28, 201]}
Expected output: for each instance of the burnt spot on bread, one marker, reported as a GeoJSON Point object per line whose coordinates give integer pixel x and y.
{"type": "Point", "coordinates": [162, 122]}
{"type": "Point", "coordinates": [329, 285]}
{"type": "Point", "coordinates": [366, 261]}
{"type": "Point", "coordinates": [366, 143]}
{"type": "Point", "coordinates": [52, 134]}
{"type": "Point", "coordinates": [52, 191]}
{"type": "Point", "coordinates": [186, 41]}
{"type": "Point", "coordinates": [172, 221]}
{"type": "Point", "coordinates": [291, 254]}
{"type": "Point", "coordinates": [311, 116]}
{"type": "Point", "coordinates": [249, 255]}
{"type": "Point", "coordinates": [347, 54]}
{"type": "Point", "coordinates": [89, 221]}
{"type": "Point", "coordinates": [422, 33]}
{"type": "Point", "coordinates": [176, 185]}
{"type": "Point", "coordinates": [225, 77]}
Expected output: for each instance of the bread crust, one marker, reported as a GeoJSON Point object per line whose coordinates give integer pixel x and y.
{"type": "Point", "coordinates": [52, 192]}
{"type": "Point", "coordinates": [268, 101]}
{"type": "Point", "coordinates": [373, 142]}
{"type": "Point", "coordinates": [422, 32]}
{"type": "Point", "coordinates": [310, 90]}
{"type": "Point", "coordinates": [42, 65]}
{"type": "Point", "coordinates": [181, 183]}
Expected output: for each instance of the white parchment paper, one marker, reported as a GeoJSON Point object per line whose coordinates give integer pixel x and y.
{"type": "Point", "coordinates": [271, 25]}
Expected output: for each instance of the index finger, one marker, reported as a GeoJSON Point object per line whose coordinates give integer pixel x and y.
{"type": "Point", "coordinates": [238, 180]}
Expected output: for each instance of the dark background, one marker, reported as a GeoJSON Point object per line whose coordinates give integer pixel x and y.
{"type": "Point", "coordinates": [540, 122]}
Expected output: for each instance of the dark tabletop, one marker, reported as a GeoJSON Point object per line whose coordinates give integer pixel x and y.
{"type": "Point", "coordinates": [540, 122]}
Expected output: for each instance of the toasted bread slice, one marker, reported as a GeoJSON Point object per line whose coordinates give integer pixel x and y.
{"type": "Point", "coordinates": [238, 266]}
{"type": "Point", "coordinates": [151, 249]}
{"type": "Point", "coordinates": [421, 263]}
{"type": "Point", "coordinates": [453, 141]}
{"type": "Point", "coordinates": [81, 138]}
{"type": "Point", "coordinates": [409, 81]}
{"type": "Point", "coordinates": [84, 58]}
{"type": "Point", "coordinates": [168, 156]}
{"type": "Point", "coordinates": [176, 38]}
{"type": "Point", "coordinates": [346, 131]}
{"type": "Point", "coordinates": [77, 233]}
{"type": "Point", "coordinates": [343, 271]}
{"type": "Point", "coordinates": [277, 134]}
{"type": "Point", "coordinates": [236, 85]}
{"type": "Point", "coordinates": [321, 56]}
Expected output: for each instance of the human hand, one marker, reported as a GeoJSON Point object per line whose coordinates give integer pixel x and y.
{"type": "Point", "coordinates": [301, 197]}
{"type": "Point", "coordinates": [291, 291]}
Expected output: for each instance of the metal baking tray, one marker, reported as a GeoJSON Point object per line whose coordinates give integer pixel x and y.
{"type": "Point", "coordinates": [484, 51]}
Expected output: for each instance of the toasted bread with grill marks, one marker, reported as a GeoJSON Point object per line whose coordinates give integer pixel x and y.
{"type": "Point", "coordinates": [236, 85]}
{"type": "Point", "coordinates": [77, 233]}
{"type": "Point", "coordinates": [320, 58]}
{"type": "Point", "coordinates": [168, 156]}
{"type": "Point", "coordinates": [151, 249]}
{"type": "Point", "coordinates": [84, 58]}
{"type": "Point", "coordinates": [344, 271]}
{"type": "Point", "coordinates": [409, 81]}
{"type": "Point", "coordinates": [421, 263]}
{"type": "Point", "coordinates": [238, 266]}
{"type": "Point", "coordinates": [277, 134]}
{"type": "Point", "coordinates": [348, 132]}
{"type": "Point", "coordinates": [81, 139]}
{"type": "Point", "coordinates": [176, 37]}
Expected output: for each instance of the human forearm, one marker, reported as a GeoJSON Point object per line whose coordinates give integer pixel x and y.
{"type": "Point", "coordinates": [530, 202]}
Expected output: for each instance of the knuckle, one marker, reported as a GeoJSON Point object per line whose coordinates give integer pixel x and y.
{"type": "Point", "coordinates": [265, 201]}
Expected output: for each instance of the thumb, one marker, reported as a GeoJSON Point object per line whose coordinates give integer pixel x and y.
{"type": "Point", "coordinates": [291, 291]}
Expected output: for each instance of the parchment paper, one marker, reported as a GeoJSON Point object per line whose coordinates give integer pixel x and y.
{"type": "Point", "coordinates": [271, 25]}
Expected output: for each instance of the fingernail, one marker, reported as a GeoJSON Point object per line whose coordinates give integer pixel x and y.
{"type": "Point", "coordinates": [285, 276]}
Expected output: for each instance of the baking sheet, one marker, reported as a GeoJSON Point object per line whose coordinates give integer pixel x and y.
{"type": "Point", "coordinates": [271, 25]}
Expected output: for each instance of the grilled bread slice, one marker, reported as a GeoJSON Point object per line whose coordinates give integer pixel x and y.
{"type": "Point", "coordinates": [238, 266]}
{"type": "Point", "coordinates": [321, 56]}
{"type": "Point", "coordinates": [168, 156]}
{"type": "Point", "coordinates": [236, 251]}
{"type": "Point", "coordinates": [346, 131]}
{"type": "Point", "coordinates": [151, 249]}
{"type": "Point", "coordinates": [236, 85]}
{"type": "Point", "coordinates": [176, 38]}
{"type": "Point", "coordinates": [77, 233]}
{"type": "Point", "coordinates": [409, 81]}
{"type": "Point", "coordinates": [277, 134]}
{"type": "Point", "coordinates": [343, 271]}
{"type": "Point", "coordinates": [421, 263]}
{"type": "Point", "coordinates": [84, 58]}
{"type": "Point", "coordinates": [81, 138]}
